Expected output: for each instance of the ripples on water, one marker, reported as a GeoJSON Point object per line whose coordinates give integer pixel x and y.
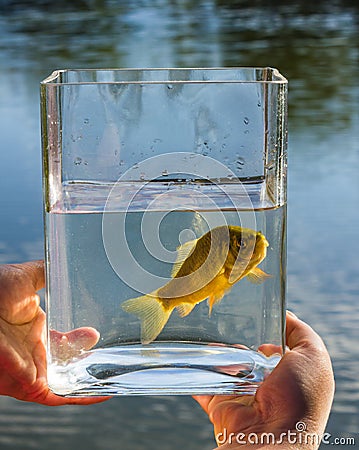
{"type": "Point", "coordinates": [136, 424]}
{"type": "Point", "coordinates": [315, 46]}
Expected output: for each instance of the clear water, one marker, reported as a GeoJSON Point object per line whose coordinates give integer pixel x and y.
{"type": "Point", "coordinates": [97, 260]}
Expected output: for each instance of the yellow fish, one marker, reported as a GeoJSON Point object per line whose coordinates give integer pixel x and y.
{"type": "Point", "coordinates": [206, 267]}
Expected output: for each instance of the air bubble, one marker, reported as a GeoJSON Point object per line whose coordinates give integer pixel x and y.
{"type": "Point", "coordinates": [77, 161]}
{"type": "Point", "coordinates": [246, 121]}
{"type": "Point", "coordinates": [165, 173]}
{"type": "Point", "coordinates": [86, 121]}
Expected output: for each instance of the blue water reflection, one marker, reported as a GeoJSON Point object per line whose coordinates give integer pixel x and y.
{"type": "Point", "coordinates": [315, 46]}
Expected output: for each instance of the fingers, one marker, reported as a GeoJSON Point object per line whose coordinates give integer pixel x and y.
{"type": "Point", "coordinates": [300, 335]}
{"type": "Point", "coordinates": [35, 271]}
{"type": "Point", "coordinates": [19, 302]}
{"type": "Point", "coordinates": [270, 349]}
{"type": "Point", "coordinates": [51, 399]}
{"type": "Point", "coordinates": [203, 400]}
{"type": "Point", "coordinates": [65, 346]}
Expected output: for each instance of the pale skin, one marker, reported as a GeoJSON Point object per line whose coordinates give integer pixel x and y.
{"type": "Point", "coordinates": [22, 337]}
{"type": "Point", "coordinates": [300, 389]}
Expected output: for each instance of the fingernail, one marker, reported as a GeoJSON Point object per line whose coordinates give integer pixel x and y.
{"type": "Point", "coordinates": [291, 313]}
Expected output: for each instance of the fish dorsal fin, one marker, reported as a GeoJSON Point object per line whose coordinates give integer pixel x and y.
{"type": "Point", "coordinates": [185, 308]}
{"type": "Point", "coordinates": [183, 252]}
{"type": "Point", "coordinates": [257, 276]}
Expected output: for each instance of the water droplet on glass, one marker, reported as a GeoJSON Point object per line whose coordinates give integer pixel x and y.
{"type": "Point", "coordinates": [86, 121]}
{"type": "Point", "coordinates": [76, 138]}
{"type": "Point", "coordinates": [165, 173]}
{"type": "Point", "coordinates": [142, 176]}
{"type": "Point", "coordinates": [77, 161]}
{"type": "Point", "coordinates": [169, 86]}
{"type": "Point", "coordinates": [246, 121]}
{"type": "Point", "coordinates": [240, 163]}
{"type": "Point", "coordinates": [122, 162]}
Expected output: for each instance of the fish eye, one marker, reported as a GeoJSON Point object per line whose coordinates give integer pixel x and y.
{"type": "Point", "coordinates": [242, 244]}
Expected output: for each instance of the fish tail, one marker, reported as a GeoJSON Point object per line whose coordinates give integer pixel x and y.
{"type": "Point", "coordinates": [152, 314]}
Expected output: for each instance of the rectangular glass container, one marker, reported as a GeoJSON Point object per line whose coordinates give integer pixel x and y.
{"type": "Point", "coordinates": [165, 229]}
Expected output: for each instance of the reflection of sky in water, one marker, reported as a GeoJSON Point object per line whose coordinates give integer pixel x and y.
{"type": "Point", "coordinates": [316, 51]}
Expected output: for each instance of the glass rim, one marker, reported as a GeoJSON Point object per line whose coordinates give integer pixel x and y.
{"type": "Point", "coordinates": [54, 78]}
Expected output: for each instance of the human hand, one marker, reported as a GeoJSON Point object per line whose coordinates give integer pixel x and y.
{"type": "Point", "coordinates": [22, 337]}
{"type": "Point", "coordinates": [300, 390]}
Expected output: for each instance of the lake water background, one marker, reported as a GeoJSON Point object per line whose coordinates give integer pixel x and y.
{"type": "Point", "coordinates": [315, 45]}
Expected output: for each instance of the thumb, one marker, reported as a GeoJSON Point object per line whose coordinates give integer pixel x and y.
{"type": "Point", "coordinates": [19, 302]}
{"type": "Point", "coordinates": [301, 337]}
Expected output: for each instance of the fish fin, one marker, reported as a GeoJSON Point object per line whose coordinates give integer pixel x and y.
{"type": "Point", "coordinates": [183, 252]}
{"type": "Point", "coordinates": [213, 299]}
{"type": "Point", "coordinates": [152, 314]}
{"type": "Point", "coordinates": [185, 308]}
{"type": "Point", "coordinates": [221, 287]}
{"type": "Point", "coordinates": [150, 352]}
{"type": "Point", "coordinates": [257, 276]}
